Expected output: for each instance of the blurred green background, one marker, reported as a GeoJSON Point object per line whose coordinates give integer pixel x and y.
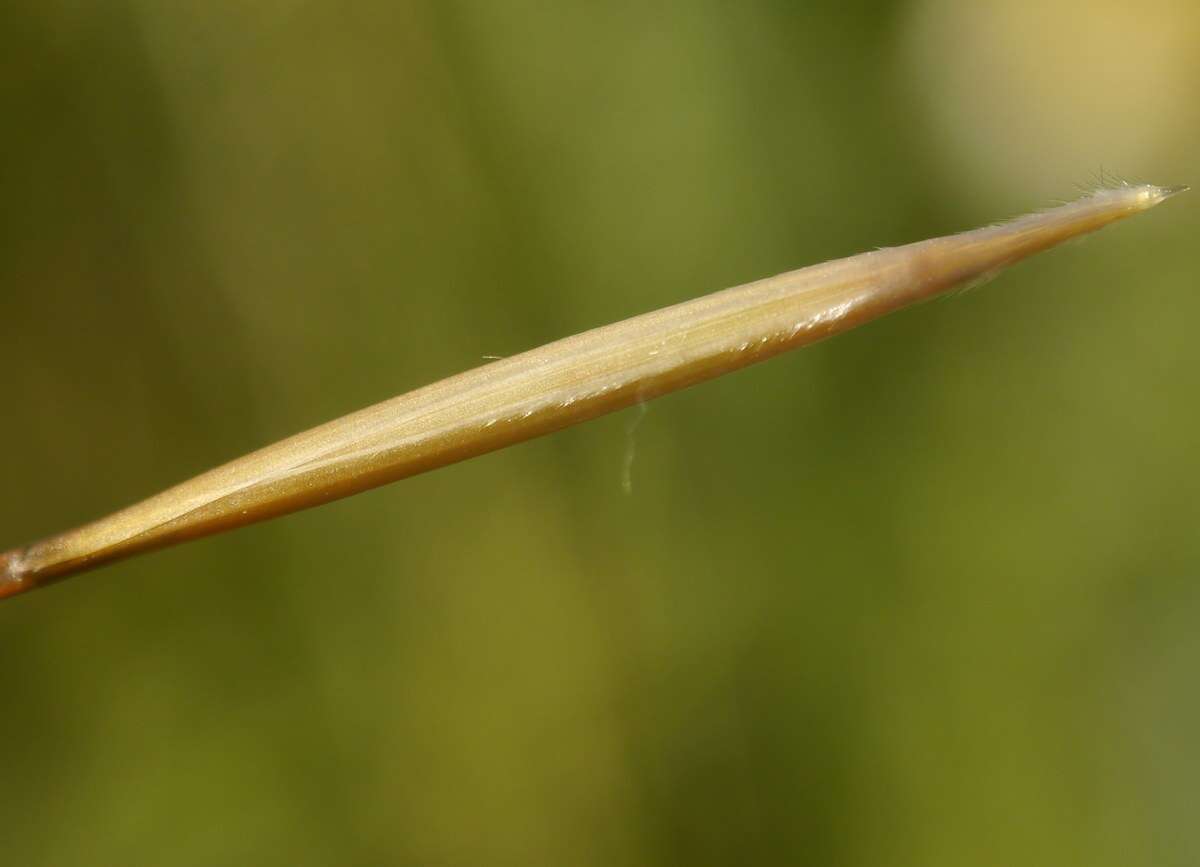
{"type": "Point", "coordinates": [921, 595]}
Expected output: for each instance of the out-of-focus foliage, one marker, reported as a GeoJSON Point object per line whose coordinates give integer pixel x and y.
{"type": "Point", "coordinates": [922, 595]}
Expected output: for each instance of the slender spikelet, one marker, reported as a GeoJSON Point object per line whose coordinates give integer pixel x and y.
{"type": "Point", "coordinates": [561, 384]}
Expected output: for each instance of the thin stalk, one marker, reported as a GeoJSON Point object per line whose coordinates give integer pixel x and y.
{"type": "Point", "coordinates": [561, 384]}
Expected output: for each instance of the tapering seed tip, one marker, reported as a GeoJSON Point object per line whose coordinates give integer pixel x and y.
{"type": "Point", "coordinates": [1150, 195]}
{"type": "Point", "coordinates": [1130, 198]}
